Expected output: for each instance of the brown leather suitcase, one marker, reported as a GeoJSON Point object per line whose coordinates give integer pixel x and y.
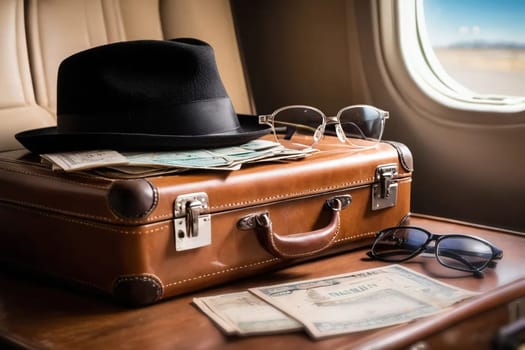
{"type": "Point", "coordinates": [145, 239]}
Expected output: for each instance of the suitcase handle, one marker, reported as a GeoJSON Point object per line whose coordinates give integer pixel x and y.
{"type": "Point", "coordinates": [298, 244]}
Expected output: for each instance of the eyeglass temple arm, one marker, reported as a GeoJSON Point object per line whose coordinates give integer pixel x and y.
{"type": "Point", "coordinates": [386, 255]}
{"type": "Point", "coordinates": [290, 129]}
{"type": "Point", "coordinates": [497, 255]}
{"type": "Point", "coordinates": [451, 253]}
{"type": "Point", "coordinates": [360, 134]}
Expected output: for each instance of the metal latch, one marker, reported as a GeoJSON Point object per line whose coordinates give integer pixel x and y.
{"type": "Point", "coordinates": [192, 221]}
{"type": "Point", "coordinates": [384, 191]}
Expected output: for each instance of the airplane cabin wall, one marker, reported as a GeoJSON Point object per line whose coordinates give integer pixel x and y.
{"type": "Point", "coordinates": [328, 54]}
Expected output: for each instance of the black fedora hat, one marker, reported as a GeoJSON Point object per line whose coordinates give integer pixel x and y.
{"type": "Point", "coordinates": [142, 95]}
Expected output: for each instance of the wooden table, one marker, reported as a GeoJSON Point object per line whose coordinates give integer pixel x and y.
{"type": "Point", "coordinates": [37, 314]}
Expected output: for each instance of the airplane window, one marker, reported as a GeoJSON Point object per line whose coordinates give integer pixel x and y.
{"type": "Point", "coordinates": [479, 43]}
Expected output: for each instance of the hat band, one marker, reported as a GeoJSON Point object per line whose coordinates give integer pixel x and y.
{"type": "Point", "coordinates": [203, 117]}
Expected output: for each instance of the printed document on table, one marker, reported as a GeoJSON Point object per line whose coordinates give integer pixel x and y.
{"type": "Point", "coordinates": [362, 300]}
{"type": "Point", "coordinates": [242, 313]}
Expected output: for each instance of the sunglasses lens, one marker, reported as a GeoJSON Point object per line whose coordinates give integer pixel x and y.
{"type": "Point", "coordinates": [362, 125]}
{"type": "Point", "coordinates": [298, 126]}
{"type": "Point", "coordinates": [399, 243]}
{"type": "Point", "coordinates": [463, 253]}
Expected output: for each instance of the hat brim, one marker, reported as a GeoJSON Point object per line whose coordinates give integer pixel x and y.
{"type": "Point", "coordinates": [49, 140]}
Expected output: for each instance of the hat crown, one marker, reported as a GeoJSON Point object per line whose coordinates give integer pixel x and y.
{"type": "Point", "coordinates": [146, 86]}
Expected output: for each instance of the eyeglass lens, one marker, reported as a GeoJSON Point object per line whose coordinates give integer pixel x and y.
{"type": "Point", "coordinates": [457, 252]}
{"type": "Point", "coordinates": [298, 124]}
{"type": "Point", "coordinates": [305, 125]}
{"type": "Point", "coordinates": [463, 252]}
{"type": "Point", "coordinates": [398, 244]}
{"type": "Point", "coordinates": [361, 123]}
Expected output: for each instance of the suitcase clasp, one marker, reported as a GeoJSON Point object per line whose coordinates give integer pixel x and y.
{"type": "Point", "coordinates": [192, 221]}
{"type": "Point", "coordinates": [384, 192]}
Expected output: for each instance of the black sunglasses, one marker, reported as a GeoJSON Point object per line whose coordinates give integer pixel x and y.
{"type": "Point", "coordinates": [459, 252]}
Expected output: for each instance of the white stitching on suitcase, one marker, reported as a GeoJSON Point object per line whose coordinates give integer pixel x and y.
{"type": "Point", "coordinates": [57, 179]}
{"type": "Point", "coordinates": [293, 194]}
{"type": "Point", "coordinates": [168, 215]}
{"type": "Point", "coordinates": [103, 219]}
{"type": "Point", "coordinates": [354, 237]}
{"type": "Point", "coordinates": [164, 216]}
{"type": "Point", "coordinates": [59, 210]}
{"type": "Point", "coordinates": [186, 280]}
{"type": "Point", "coordinates": [290, 195]}
{"type": "Point", "coordinates": [85, 223]}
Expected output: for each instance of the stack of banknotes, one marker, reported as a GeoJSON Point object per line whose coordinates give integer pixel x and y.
{"type": "Point", "coordinates": [332, 305]}
{"type": "Point", "coordinates": [153, 163]}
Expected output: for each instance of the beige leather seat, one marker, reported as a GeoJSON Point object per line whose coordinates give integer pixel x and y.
{"type": "Point", "coordinates": [59, 28]}
{"type": "Point", "coordinates": [18, 108]}
{"type": "Point", "coordinates": [211, 21]}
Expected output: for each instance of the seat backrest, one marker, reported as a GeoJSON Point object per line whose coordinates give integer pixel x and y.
{"type": "Point", "coordinates": [59, 28]}
{"type": "Point", "coordinates": [211, 21]}
{"type": "Point", "coordinates": [18, 108]}
{"type": "Point", "coordinates": [40, 36]}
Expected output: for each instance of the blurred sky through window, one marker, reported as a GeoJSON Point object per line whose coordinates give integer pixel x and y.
{"type": "Point", "coordinates": [481, 22]}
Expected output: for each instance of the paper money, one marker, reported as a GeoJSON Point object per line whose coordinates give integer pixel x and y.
{"type": "Point", "coordinates": [143, 163]}
{"type": "Point", "coordinates": [362, 300]}
{"type": "Point", "coordinates": [243, 313]}
{"type": "Point", "coordinates": [74, 161]}
{"type": "Point", "coordinates": [134, 172]}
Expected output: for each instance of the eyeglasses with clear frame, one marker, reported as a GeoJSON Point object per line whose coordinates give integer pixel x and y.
{"type": "Point", "coordinates": [455, 251]}
{"type": "Point", "coordinates": [360, 126]}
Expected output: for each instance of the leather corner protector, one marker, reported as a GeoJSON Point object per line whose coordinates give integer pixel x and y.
{"type": "Point", "coordinates": [137, 290]}
{"type": "Point", "coordinates": [405, 155]}
{"type": "Point", "coordinates": [132, 199]}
